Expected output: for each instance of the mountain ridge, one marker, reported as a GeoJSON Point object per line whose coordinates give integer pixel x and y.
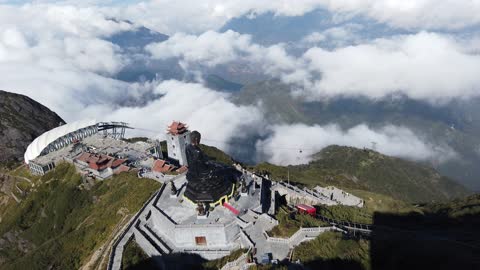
{"type": "Point", "coordinates": [454, 125]}
{"type": "Point", "coordinates": [364, 169]}
{"type": "Point", "coordinates": [22, 119]}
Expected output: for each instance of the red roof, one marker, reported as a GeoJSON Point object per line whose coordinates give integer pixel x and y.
{"type": "Point", "coordinates": [162, 166]}
{"type": "Point", "coordinates": [84, 157]}
{"type": "Point", "coordinates": [100, 162]}
{"type": "Point", "coordinates": [118, 162]}
{"type": "Point", "coordinates": [177, 128]}
{"type": "Point", "coordinates": [122, 168]}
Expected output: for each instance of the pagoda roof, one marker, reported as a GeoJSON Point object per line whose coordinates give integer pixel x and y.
{"type": "Point", "coordinates": [176, 128]}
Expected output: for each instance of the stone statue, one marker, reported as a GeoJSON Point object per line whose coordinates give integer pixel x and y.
{"type": "Point", "coordinates": [173, 189]}
{"type": "Point", "coordinates": [198, 163]}
{"type": "Point", "coordinates": [208, 181]}
{"type": "Point", "coordinates": [244, 185]}
{"type": "Point", "coordinates": [201, 209]}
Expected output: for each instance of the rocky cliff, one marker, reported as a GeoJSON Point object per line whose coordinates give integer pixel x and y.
{"type": "Point", "coordinates": [21, 121]}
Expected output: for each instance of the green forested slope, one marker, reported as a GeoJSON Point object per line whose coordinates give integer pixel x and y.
{"type": "Point", "coordinates": [59, 224]}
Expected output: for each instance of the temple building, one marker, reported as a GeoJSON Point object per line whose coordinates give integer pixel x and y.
{"type": "Point", "coordinates": [214, 209]}
{"type": "Point", "coordinates": [178, 136]}
{"type": "Point", "coordinates": [100, 166]}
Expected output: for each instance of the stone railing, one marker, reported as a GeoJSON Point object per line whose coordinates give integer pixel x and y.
{"type": "Point", "coordinates": [273, 220]}
{"type": "Point", "coordinates": [299, 236]}
{"type": "Point", "coordinates": [178, 226]}
{"type": "Point", "coordinates": [116, 253]}
{"type": "Point", "coordinates": [242, 223]}
{"type": "Point", "coordinates": [207, 253]}
{"type": "Point", "coordinates": [241, 261]}
{"type": "Point", "coordinates": [235, 263]}
{"type": "Point", "coordinates": [275, 239]}
{"type": "Point", "coordinates": [247, 238]}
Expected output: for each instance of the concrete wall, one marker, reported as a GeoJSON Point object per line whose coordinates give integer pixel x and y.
{"type": "Point", "coordinates": [295, 195]}
{"type": "Point", "coordinates": [161, 223]}
{"type": "Point", "coordinates": [232, 231]}
{"type": "Point", "coordinates": [160, 177]}
{"type": "Point", "coordinates": [183, 236]}
{"type": "Point", "coordinates": [176, 147]}
{"type": "Point", "coordinates": [145, 244]}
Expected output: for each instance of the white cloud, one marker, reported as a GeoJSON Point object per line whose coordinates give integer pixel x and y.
{"type": "Point", "coordinates": [423, 14]}
{"type": "Point", "coordinates": [201, 108]}
{"type": "Point", "coordinates": [54, 21]}
{"type": "Point", "coordinates": [192, 16]}
{"type": "Point", "coordinates": [56, 55]}
{"type": "Point", "coordinates": [61, 60]}
{"type": "Point", "coordinates": [213, 48]}
{"type": "Point", "coordinates": [210, 48]}
{"type": "Point", "coordinates": [59, 37]}
{"type": "Point", "coordinates": [426, 66]}
{"type": "Point", "coordinates": [337, 36]}
{"type": "Point", "coordinates": [295, 144]}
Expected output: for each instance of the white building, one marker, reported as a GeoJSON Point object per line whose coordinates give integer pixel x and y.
{"type": "Point", "coordinates": [178, 136]}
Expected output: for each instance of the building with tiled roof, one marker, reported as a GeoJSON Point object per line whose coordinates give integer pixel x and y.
{"type": "Point", "coordinates": [162, 166]}
{"type": "Point", "coordinates": [100, 166]}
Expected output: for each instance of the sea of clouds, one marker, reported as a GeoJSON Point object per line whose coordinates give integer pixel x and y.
{"type": "Point", "coordinates": [58, 53]}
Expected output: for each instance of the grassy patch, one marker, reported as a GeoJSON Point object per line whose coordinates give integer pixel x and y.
{"type": "Point", "coordinates": [9, 165]}
{"type": "Point", "coordinates": [288, 225]}
{"type": "Point", "coordinates": [216, 154]}
{"type": "Point", "coordinates": [64, 223]}
{"type": "Point", "coordinates": [24, 185]}
{"type": "Point", "coordinates": [373, 203]}
{"type": "Point", "coordinates": [331, 251]}
{"type": "Point", "coordinates": [133, 255]}
{"type": "Point", "coordinates": [24, 171]}
{"type": "Point", "coordinates": [219, 263]}
{"type": "Point", "coordinates": [456, 209]}
{"type": "Point", "coordinates": [345, 213]}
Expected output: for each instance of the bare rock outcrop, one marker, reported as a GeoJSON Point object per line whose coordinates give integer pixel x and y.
{"type": "Point", "coordinates": [21, 121]}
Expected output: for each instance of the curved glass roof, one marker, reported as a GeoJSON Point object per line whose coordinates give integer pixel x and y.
{"type": "Point", "coordinates": [41, 142]}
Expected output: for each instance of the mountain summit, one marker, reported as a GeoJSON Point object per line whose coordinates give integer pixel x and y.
{"type": "Point", "coordinates": [22, 120]}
